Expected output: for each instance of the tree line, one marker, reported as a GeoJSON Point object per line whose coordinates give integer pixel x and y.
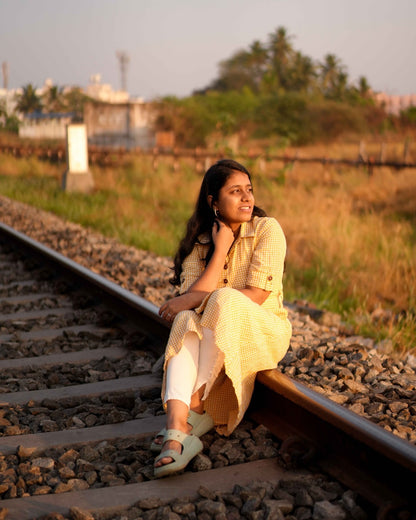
{"type": "Point", "coordinates": [53, 100]}
{"type": "Point", "coordinates": [266, 68]}
{"type": "Point", "coordinates": [272, 90]}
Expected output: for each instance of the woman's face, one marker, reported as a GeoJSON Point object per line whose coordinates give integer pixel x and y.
{"type": "Point", "coordinates": [235, 200]}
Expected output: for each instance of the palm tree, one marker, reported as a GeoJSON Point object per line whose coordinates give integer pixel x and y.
{"type": "Point", "coordinates": [74, 100]}
{"type": "Point", "coordinates": [281, 54]}
{"type": "Point", "coordinates": [302, 74]}
{"type": "Point", "coordinates": [258, 58]}
{"type": "Point", "coordinates": [53, 99]}
{"type": "Point", "coordinates": [235, 73]}
{"type": "Point", "coordinates": [29, 101]}
{"type": "Point", "coordinates": [333, 77]}
{"type": "Point", "coordinates": [363, 87]}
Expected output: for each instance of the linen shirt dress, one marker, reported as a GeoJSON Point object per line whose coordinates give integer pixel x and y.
{"type": "Point", "coordinates": [252, 337]}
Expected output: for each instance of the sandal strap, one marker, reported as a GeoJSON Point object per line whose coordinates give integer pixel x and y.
{"type": "Point", "coordinates": [161, 433]}
{"type": "Point", "coordinates": [201, 423]}
{"type": "Point", "coordinates": [174, 435]}
{"type": "Point", "coordinates": [192, 445]}
{"type": "Point", "coordinates": [173, 454]}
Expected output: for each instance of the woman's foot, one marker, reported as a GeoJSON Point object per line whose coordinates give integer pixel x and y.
{"type": "Point", "coordinates": [166, 446]}
{"type": "Point", "coordinates": [198, 424]}
{"type": "Point", "coordinates": [158, 444]}
{"type": "Point", "coordinates": [171, 460]}
{"type": "Point", "coordinates": [177, 416]}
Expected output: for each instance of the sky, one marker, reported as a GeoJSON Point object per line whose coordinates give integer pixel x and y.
{"type": "Point", "coordinates": [175, 46]}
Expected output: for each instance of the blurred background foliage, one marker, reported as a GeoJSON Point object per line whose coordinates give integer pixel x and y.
{"type": "Point", "coordinates": [273, 89]}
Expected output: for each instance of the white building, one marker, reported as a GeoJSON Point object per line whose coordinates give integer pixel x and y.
{"type": "Point", "coordinates": [105, 93]}
{"type": "Point", "coordinates": [8, 98]}
{"type": "Point", "coordinates": [395, 104]}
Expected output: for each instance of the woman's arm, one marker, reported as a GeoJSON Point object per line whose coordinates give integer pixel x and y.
{"type": "Point", "coordinates": [267, 261]}
{"type": "Point", "coordinates": [207, 282]}
{"type": "Point", "coordinates": [223, 239]}
{"type": "Point", "coordinates": [184, 302]}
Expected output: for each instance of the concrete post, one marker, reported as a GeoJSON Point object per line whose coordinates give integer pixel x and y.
{"type": "Point", "coordinates": [77, 176]}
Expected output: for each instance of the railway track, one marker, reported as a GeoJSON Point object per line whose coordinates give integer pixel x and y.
{"type": "Point", "coordinates": [112, 156]}
{"type": "Point", "coordinates": [79, 394]}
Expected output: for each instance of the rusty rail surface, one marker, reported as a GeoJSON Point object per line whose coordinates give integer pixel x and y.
{"type": "Point", "coordinates": [377, 464]}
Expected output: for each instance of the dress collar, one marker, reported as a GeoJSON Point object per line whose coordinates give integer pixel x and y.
{"type": "Point", "coordinates": [247, 228]}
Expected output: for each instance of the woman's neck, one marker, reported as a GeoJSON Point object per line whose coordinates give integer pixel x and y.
{"type": "Point", "coordinates": [236, 231]}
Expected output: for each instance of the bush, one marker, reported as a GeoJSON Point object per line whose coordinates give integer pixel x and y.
{"type": "Point", "coordinates": [194, 118]}
{"type": "Point", "coordinates": [300, 118]}
{"type": "Point", "coordinates": [408, 117]}
{"type": "Point", "coordinates": [284, 115]}
{"type": "Point", "coordinates": [331, 119]}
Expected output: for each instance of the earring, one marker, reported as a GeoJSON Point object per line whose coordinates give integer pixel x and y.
{"type": "Point", "coordinates": [216, 212]}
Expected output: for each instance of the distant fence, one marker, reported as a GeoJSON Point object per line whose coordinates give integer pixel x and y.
{"type": "Point", "coordinates": [202, 158]}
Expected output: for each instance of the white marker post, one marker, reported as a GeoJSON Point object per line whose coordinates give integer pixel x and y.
{"type": "Point", "coordinates": [77, 176]}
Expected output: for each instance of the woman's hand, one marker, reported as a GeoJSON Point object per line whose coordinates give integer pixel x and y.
{"type": "Point", "coordinates": [184, 302]}
{"type": "Point", "coordinates": [222, 236]}
{"type": "Point", "coordinates": [170, 309]}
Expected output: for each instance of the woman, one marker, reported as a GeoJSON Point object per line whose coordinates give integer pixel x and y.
{"type": "Point", "coordinates": [228, 320]}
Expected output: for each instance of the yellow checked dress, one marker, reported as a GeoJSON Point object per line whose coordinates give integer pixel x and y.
{"type": "Point", "coordinates": [252, 337]}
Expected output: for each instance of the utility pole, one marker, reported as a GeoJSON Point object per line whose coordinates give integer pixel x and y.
{"type": "Point", "coordinates": [5, 69]}
{"type": "Point", "coordinates": [124, 59]}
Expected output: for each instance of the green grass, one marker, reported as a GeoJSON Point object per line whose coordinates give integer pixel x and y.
{"type": "Point", "coordinates": [138, 211]}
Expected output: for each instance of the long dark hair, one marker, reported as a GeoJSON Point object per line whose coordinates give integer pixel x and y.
{"type": "Point", "coordinates": [203, 216]}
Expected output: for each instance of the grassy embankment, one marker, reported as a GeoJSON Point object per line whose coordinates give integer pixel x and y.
{"type": "Point", "coordinates": [351, 238]}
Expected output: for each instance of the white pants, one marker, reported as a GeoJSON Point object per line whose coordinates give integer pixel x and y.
{"type": "Point", "coordinates": [196, 365]}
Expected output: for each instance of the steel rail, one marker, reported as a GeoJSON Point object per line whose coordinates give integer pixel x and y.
{"type": "Point", "coordinates": [145, 313]}
{"type": "Point", "coordinates": [379, 465]}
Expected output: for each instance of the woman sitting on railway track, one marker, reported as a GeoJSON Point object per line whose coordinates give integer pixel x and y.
{"type": "Point", "coordinates": [228, 321]}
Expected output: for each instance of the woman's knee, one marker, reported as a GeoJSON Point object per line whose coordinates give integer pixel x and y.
{"type": "Point", "coordinates": [184, 314]}
{"type": "Point", "coordinates": [226, 296]}
{"type": "Point", "coordinates": [184, 317]}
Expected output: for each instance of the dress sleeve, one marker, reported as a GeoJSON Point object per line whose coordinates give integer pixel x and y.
{"type": "Point", "coordinates": [192, 267]}
{"type": "Point", "coordinates": [267, 262]}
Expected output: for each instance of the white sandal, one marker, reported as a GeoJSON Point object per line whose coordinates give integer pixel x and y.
{"type": "Point", "coordinates": [201, 423]}
{"type": "Point", "coordinates": [191, 446]}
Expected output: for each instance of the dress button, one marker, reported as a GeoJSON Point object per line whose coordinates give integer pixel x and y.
{"type": "Point", "coordinates": [225, 266]}
{"type": "Point", "coordinates": [225, 280]}
{"type": "Point", "coordinates": [270, 278]}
